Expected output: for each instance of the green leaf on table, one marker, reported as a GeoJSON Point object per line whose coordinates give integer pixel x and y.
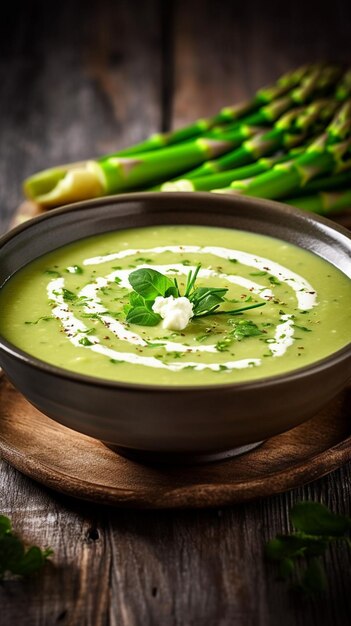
{"type": "Point", "coordinates": [295, 545]}
{"type": "Point", "coordinates": [14, 559]}
{"type": "Point", "coordinates": [314, 518]}
{"type": "Point", "coordinates": [32, 561]}
{"type": "Point", "coordinates": [286, 568]}
{"type": "Point", "coordinates": [316, 528]}
{"type": "Point", "coordinates": [314, 579]}
{"type": "Point", "coordinates": [5, 525]}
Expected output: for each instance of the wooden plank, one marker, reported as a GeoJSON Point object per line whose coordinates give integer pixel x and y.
{"type": "Point", "coordinates": [77, 83]}
{"type": "Point", "coordinates": [224, 51]}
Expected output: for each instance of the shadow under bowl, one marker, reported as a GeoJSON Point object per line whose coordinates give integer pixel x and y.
{"type": "Point", "coordinates": [181, 424]}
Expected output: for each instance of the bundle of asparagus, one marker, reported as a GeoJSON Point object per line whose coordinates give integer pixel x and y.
{"type": "Point", "coordinates": [291, 141]}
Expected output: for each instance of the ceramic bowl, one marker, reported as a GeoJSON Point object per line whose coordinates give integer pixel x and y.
{"type": "Point", "coordinates": [186, 424]}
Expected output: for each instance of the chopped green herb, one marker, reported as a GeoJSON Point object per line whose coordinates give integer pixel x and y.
{"type": "Point", "coordinates": [68, 296]}
{"type": "Point", "coordinates": [263, 273]}
{"type": "Point", "coordinates": [175, 355]}
{"type": "Point", "coordinates": [244, 328]}
{"type": "Point", "coordinates": [142, 259]}
{"type": "Point", "coordinates": [91, 316]}
{"type": "Point", "coordinates": [274, 281]}
{"type": "Point", "coordinates": [53, 273]}
{"type": "Point", "coordinates": [223, 345]}
{"type": "Point", "coordinates": [84, 341]}
{"type": "Point", "coordinates": [202, 338]}
{"type": "Point", "coordinates": [44, 318]}
{"type": "Point", "coordinates": [306, 330]}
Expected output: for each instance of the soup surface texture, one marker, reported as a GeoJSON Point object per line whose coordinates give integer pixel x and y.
{"type": "Point", "coordinates": [68, 308]}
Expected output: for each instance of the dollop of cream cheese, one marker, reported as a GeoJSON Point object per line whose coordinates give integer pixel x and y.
{"type": "Point", "coordinates": [175, 312]}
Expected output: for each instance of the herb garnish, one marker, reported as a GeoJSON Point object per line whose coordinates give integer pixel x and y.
{"type": "Point", "coordinates": [241, 329]}
{"type": "Point", "coordinates": [43, 318]}
{"type": "Point", "coordinates": [68, 296]}
{"type": "Point", "coordinates": [84, 341]}
{"type": "Point", "coordinates": [14, 559]}
{"type": "Point", "coordinates": [148, 284]}
{"type": "Point", "coordinates": [52, 273]}
{"type": "Point", "coordinates": [316, 528]}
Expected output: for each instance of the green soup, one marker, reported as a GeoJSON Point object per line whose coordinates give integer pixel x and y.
{"type": "Point", "coordinates": [69, 307]}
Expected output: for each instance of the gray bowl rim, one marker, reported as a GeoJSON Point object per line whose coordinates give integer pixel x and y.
{"type": "Point", "coordinates": [280, 379]}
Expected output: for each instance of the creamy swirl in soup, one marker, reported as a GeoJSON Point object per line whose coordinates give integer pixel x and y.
{"type": "Point", "coordinates": [70, 307]}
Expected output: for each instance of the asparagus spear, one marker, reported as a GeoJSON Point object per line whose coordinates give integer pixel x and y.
{"type": "Point", "coordinates": [83, 180]}
{"type": "Point", "coordinates": [316, 82]}
{"type": "Point", "coordinates": [214, 181]}
{"type": "Point", "coordinates": [319, 81]}
{"type": "Point", "coordinates": [228, 114]}
{"type": "Point", "coordinates": [324, 202]}
{"type": "Point", "coordinates": [294, 121]}
{"type": "Point", "coordinates": [328, 154]}
{"type": "Point", "coordinates": [114, 173]}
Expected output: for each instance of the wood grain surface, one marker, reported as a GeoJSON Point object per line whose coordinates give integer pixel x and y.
{"type": "Point", "coordinates": [78, 78]}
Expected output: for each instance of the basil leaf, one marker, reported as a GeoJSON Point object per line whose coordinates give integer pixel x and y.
{"type": "Point", "coordinates": [314, 518]}
{"type": "Point", "coordinates": [150, 284]}
{"type": "Point", "coordinates": [142, 316]}
{"type": "Point", "coordinates": [135, 299]}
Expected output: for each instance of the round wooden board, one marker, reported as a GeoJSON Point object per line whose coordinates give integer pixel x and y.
{"type": "Point", "coordinates": [83, 467]}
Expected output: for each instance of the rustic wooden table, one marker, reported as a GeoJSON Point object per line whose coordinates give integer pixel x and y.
{"type": "Point", "coordinates": [82, 78]}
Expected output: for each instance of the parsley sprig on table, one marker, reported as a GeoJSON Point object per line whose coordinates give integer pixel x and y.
{"type": "Point", "coordinates": [14, 558]}
{"type": "Point", "coordinates": [148, 284]}
{"type": "Point", "coordinates": [316, 528]}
